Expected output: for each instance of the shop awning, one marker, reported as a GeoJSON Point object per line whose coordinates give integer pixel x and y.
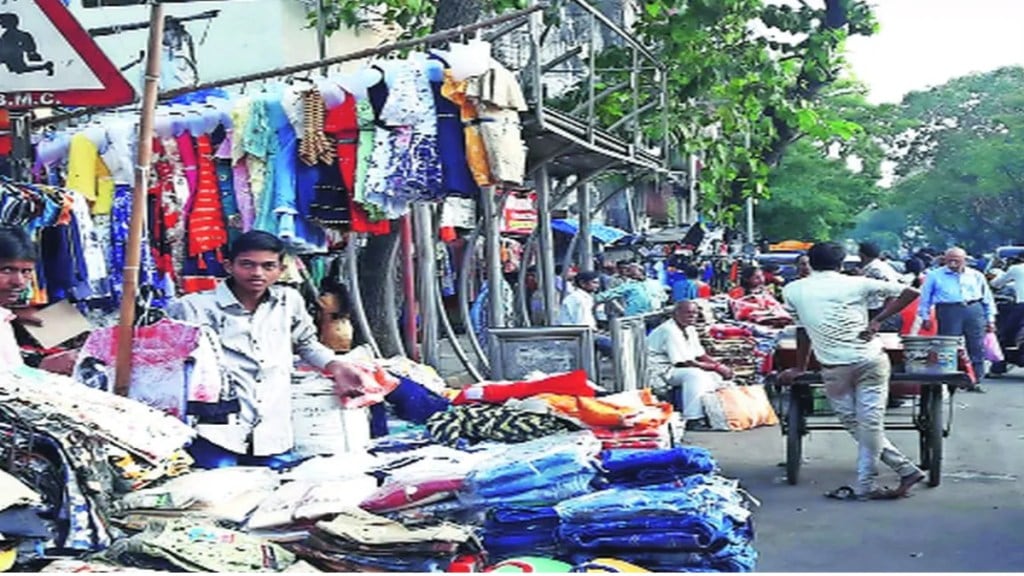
{"type": "Point", "coordinates": [600, 232]}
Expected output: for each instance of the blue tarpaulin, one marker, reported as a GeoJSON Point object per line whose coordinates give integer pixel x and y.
{"type": "Point", "coordinates": [600, 232]}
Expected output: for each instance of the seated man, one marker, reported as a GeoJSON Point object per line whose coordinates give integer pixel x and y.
{"type": "Point", "coordinates": [17, 265]}
{"type": "Point", "coordinates": [260, 326]}
{"type": "Point", "coordinates": [676, 359]}
{"type": "Point", "coordinates": [578, 309]}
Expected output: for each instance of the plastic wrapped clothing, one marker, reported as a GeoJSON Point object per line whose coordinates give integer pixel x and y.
{"type": "Point", "coordinates": [690, 495]}
{"type": "Point", "coordinates": [643, 467]}
{"type": "Point", "coordinates": [544, 471]}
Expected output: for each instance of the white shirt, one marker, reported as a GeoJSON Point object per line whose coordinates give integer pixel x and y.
{"type": "Point", "coordinates": [833, 308]}
{"type": "Point", "coordinates": [578, 310]}
{"type": "Point", "coordinates": [668, 345]}
{"type": "Point", "coordinates": [880, 270]}
{"type": "Point", "coordinates": [1014, 275]}
{"type": "Point", "coordinates": [258, 359]}
{"type": "Point", "coordinates": [10, 354]}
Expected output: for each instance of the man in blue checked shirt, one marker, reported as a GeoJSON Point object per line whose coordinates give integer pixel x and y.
{"type": "Point", "coordinates": [963, 306]}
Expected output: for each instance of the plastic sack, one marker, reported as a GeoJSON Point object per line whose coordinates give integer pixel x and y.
{"type": "Point", "coordinates": [993, 352]}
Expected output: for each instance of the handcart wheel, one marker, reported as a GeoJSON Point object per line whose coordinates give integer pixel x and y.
{"type": "Point", "coordinates": [935, 437]}
{"type": "Point", "coordinates": [794, 437]}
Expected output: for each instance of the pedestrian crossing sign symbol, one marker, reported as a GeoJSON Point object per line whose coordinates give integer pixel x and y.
{"type": "Point", "coordinates": [47, 59]}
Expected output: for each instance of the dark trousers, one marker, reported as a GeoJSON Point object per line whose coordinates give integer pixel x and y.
{"type": "Point", "coordinates": [967, 320]}
{"type": "Point", "coordinates": [1010, 319]}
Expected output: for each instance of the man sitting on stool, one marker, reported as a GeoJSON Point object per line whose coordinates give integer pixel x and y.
{"type": "Point", "coordinates": [677, 361]}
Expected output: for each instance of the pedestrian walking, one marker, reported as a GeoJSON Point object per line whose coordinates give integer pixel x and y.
{"type": "Point", "coordinates": [963, 306]}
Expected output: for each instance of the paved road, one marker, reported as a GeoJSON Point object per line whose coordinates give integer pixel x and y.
{"type": "Point", "coordinates": [973, 522]}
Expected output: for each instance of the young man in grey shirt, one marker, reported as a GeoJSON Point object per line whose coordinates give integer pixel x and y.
{"type": "Point", "coordinates": [261, 326]}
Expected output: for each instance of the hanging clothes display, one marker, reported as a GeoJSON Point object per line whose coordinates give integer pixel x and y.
{"type": "Point", "coordinates": [304, 160]}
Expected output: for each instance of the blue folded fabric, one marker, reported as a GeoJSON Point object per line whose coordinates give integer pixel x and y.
{"type": "Point", "coordinates": [656, 465]}
{"type": "Point", "coordinates": [522, 515]}
{"type": "Point", "coordinates": [684, 496]}
{"type": "Point", "coordinates": [734, 558]}
{"type": "Point", "coordinates": [691, 533]}
{"type": "Point", "coordinates": [414, 402]}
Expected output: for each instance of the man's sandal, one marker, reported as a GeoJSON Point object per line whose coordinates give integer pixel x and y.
{"type": "Point", "coordinates": [847, 494]}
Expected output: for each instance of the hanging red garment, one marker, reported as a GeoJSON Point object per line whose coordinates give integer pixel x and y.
{"type": "Point", "coordinates": [206, 229]}
{"type": "Point", "coordinates": [343, 123]}
{"type": "Point", "coordinates": [162, 220]}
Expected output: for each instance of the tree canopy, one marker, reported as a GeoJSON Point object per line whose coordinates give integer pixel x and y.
{"type": "Point", "coordinates": [959, 164]}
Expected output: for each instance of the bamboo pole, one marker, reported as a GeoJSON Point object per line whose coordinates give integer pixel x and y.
{"type": "Point", "coordinates": [133, 255]}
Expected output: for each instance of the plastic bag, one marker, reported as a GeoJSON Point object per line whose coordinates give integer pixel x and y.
{"type": "Point", "coordinates": [993, 352]}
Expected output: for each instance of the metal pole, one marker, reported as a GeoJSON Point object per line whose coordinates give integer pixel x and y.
{"type": "Point", "coordinates": [586, 238]}
{"type": "Point", "coordinates": [21, 149]}
{"type": "Point", "coordinates": [133, 253]}
{"type": "Point", "coordinates": [536, 30]}
{"type": "Point", "coordinates": [409, 286]}
{"type": "Point", "coordinates": [466, 274]}
{"type": "Point", "coordinates": [427, 277]}
{"type": "Point", "coordinates": [592, 84]}
{"type": "Point", "coordinates": [352, 265]}
{"type": "Point", "coordinates": [321, 35]}
{"type": "Point", "coordinates": [492, 250]}
{"type": "Point", "coordinates": [449, 331]}
{"type": "Point", "coordinates": [750, 201]}
{"type": "Point", "coordinates": [547, 246]}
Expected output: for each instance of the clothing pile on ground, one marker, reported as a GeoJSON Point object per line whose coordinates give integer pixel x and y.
{"type": "Point", "coordinates": [747, 348]}
{"type": "Point", "coordinates": [473, 478]}
{"type": "Point", "coordinates": [81, 449]}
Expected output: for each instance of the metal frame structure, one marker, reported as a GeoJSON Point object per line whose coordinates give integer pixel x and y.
{"type": "Point", "coordinates": [568, 148]}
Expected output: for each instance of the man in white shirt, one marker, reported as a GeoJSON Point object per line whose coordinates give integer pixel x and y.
{"type": "Point", "coordinates": [17, 265]}
{"type": "Point", "coordinates": [261, 326]}
{"type": "Point", "coordinates": [1009, 319]}
{"type": "Point", "coordinates": [831, 311]}
{"type": "Point", "coordinates": [676, 359]}
{"type": "Point", "coordinates": [872, 266]}
{"type": "Point", "coordinates": [578, 309]}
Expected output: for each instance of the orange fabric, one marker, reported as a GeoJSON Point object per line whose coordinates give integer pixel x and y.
{"type": "Point", "coordinates": [737, 293]}
{"type": "Point", "coordinates": [746, 407]}
{"type": "Point", "coordinates": [476, 152]}
{"type": "Point", "coordinates": [206, 229]}
{"type": "Point", "coordinates": [448, 234]}
{"type": "Point", "coordinates": [602, 413]}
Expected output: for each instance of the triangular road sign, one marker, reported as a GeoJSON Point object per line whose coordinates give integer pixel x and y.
{"type": "Point", "coordinates": [48, 59]}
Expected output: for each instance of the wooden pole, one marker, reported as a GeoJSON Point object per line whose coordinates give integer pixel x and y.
{"type": "Point", "coordinates": [133, 253]}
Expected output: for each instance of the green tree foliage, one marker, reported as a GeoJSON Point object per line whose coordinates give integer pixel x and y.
{"type": "Point", "coordinates": [961, 163]}
{"type": "Point", "coordinates": [825, 180]}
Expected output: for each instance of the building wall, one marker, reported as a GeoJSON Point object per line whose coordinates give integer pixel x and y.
{"type": "Point", "coordinates": [247, 36]}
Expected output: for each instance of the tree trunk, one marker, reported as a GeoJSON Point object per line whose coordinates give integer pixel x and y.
{"type": "Point", "coordinates": [378, 278]}
{"type": "Point", "coordinates": [455, 13]}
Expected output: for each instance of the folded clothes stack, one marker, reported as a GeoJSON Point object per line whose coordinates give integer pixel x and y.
{"type": "Point", "coordinates": [699, 523]}
{"type": "Point", "coordinates": [357, 541]}
{"type": "Point", "coordinates": [541, 472]}
{"type": "Point", "coordinates": [509, 530]}
{"type": "Point", "coordinates": [632, 468]}
{"type": "Point", "coordinates": [83, 449]}
{"type": "Point", "coordinates": [191, 545]}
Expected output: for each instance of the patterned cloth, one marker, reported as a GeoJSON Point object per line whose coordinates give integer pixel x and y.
{"type": "Point", "coordinates": [477, 423]}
